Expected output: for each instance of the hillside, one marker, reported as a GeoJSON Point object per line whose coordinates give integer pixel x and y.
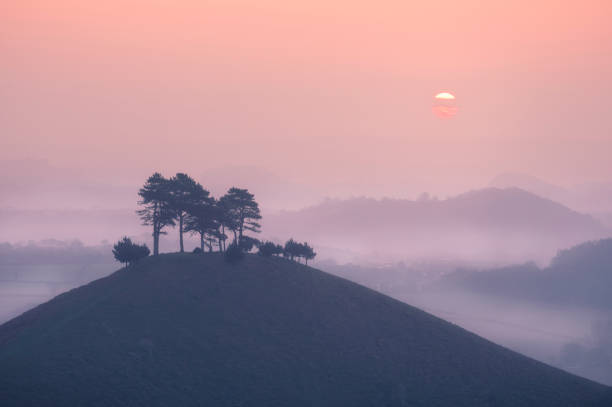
{"type": "Point", "coordinates": [489, 225]}
{"type": "Point", "coordinates": [193, 330]}
{"type": "Point", "coordinates": [595, 198]}
{"type": "Point", "coordinates": [579, 276]}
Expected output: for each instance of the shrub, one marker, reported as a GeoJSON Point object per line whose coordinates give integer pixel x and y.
{"type": "Point", "coordinates": [128, 252]}
{"type": "Point", "coordinates": [307, 252]}
{"type": "Point", "coordinates": [247, 243]}
{"type": "Point", "coordinates": [197, 250]}
{"type": "Point", "coordinates": [295, 250]}
{"type": "Point", "coordinates": [291, 249]}
{"type": "Point", "coordinates": [234, 254]}
{"type": "Point", "coordinates": [268, 249]}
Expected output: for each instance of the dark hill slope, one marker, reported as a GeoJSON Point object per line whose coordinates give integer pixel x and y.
{"type": "Point", "coordinates": [192, 330]}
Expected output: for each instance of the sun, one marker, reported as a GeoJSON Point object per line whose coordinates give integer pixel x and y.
{"type": "Point", "coordinates": [445, 96]}
{"type": "Point", "coordinates": [445, 105]}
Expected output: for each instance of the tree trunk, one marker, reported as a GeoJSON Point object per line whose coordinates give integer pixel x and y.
{"type": "Point", "coordinates": [221, 240]}
{"type": "Point", "coordinates": [181, 231]}
{"type": "Point", "coordinates": [155, 242]}
{"type": "Point", "coordinates": [202, 241]}
{"type": "Point", "coordinates": [156, 229]}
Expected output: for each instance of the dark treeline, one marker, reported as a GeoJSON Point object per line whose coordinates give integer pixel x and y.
{"type": "Point", "coordinates": [182, 202]}
{"type": "Point", "coordinates": [292, 250]}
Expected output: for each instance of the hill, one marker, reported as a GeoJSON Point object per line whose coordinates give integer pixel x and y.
{"type": "Point", "coordinates": [194, 330]}
{"type": "Point", "coordinates": [489, 225]}
{"type": "Point", "coordinates": [560, 313]}
{"type": "Point", "coordinates": [594, 198]}
{"type": "Point", "coordinates": [579, 276]}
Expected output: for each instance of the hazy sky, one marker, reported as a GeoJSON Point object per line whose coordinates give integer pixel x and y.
{"type": "Point", "coordinates": [337, 93]}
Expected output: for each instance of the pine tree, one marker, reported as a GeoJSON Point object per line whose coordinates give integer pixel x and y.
{"type": "Point", "coordinates": [128, 252]}
{"type": "Point", "coordinates": [156, 209]}
{"type": "Point", "coordinates": [201, 219]}
{"type": "Point", "coordinates": [185, 194]}
{"type": "Point", "coordinates": [242, 212]}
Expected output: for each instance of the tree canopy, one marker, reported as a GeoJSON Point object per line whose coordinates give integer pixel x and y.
{"type": "Point", "coordinates": [128, 252]}
{"type": "Point", "coordinates": [242, 212]}
{"type": "Point", "coordinates": [185, 195]}
{"type": "Point", "coordinates": [156, 209]}
{"type": "Point", "coordinates": [181, 201]}
{"type": "Point", "coordinates": [295, 250]}
{"type": "Point", "coordinates": [202, 219]}
{"type": "Point", "coordinates": [268, 249]}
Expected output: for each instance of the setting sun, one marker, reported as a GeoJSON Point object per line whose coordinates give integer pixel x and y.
{"type": "Point", "coordinates": [444, 105]}
{"type": "Point", "coordinates": [445, 96]}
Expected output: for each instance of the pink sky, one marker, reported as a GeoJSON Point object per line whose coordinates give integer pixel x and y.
{"type": "Point", "coordinates": [322, 92]}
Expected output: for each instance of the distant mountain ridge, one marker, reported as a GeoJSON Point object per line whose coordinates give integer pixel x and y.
{"type": "Point", "coordinates": [594, 197]}
{"type": "Point", "coordinates": [576, 288]}
{"type": "Point", "coordinates": [506, 225]}
{"type": "Point", "coordinates": [193, 330]}
{"type": "Point", "coordinates": [578, 276]}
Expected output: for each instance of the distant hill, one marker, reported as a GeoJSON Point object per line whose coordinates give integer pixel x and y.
{"type": "Point", "coordinates": [495, 225]}
{"type": "Point", "coordinates": [532, 184]}
{"type": "Point", "coordinates": [194, 330]}
{"type": "Point", "coordinates": [594, 198]}
{"type": "Point", "coordinates": [89, 225]}
{"type": "Point", "coordinates": [581, 275]}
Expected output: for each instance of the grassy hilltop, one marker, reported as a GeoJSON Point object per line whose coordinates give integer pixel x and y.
{"type": "Point", "coordinates": [186, 329]}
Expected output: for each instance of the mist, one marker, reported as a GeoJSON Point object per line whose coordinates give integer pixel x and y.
{"type": "Point", "coordinates": [574, 335]}
{"type": "Point", "coordinates": [572, 332]}
{"type": "Point", "coordinates": [497, 219]}
{"type": "Point", "coordinates": [33, 273]}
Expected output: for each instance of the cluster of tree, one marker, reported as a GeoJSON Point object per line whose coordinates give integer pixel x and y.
{"type": "Point", "coordinates": [295, 250]}
{"type": "Point", "coordinates": [128, 252]}
{"type": "Point", "coordinates": [183, 202]}
{"type": "Point", "coordinates": [292, 250]}
{"type": "Point", "coordinates": [268, 249]}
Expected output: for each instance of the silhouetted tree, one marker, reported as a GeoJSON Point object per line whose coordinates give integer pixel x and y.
{"type": "Point", "coordinates": [156, 209]}
{"type": "Point", "coordinates": [307, 252]}
{"type": "Point", "coordinates": [183, 201]}
{"type": "Point", "coordinates": [211, 239]}
{"type": "Point", "coordinates": [128, 252]}
{"type": "Point", "coordinates": [242, 212]}
{"type": "Point", "coordinates": [291, 249]}
{"type": "Point", "coordinates": [295, 250]}
{"type": "Point", "coordinates": [201, 220]}
{"type": "Point", "coordinates": [185, 193]}
{"type": "Point", "coordinates": [268, 249]}
{"type": "Point", "coordinates": [247, 243]}
{"type": "Point", "coordinates": [224, 221]}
